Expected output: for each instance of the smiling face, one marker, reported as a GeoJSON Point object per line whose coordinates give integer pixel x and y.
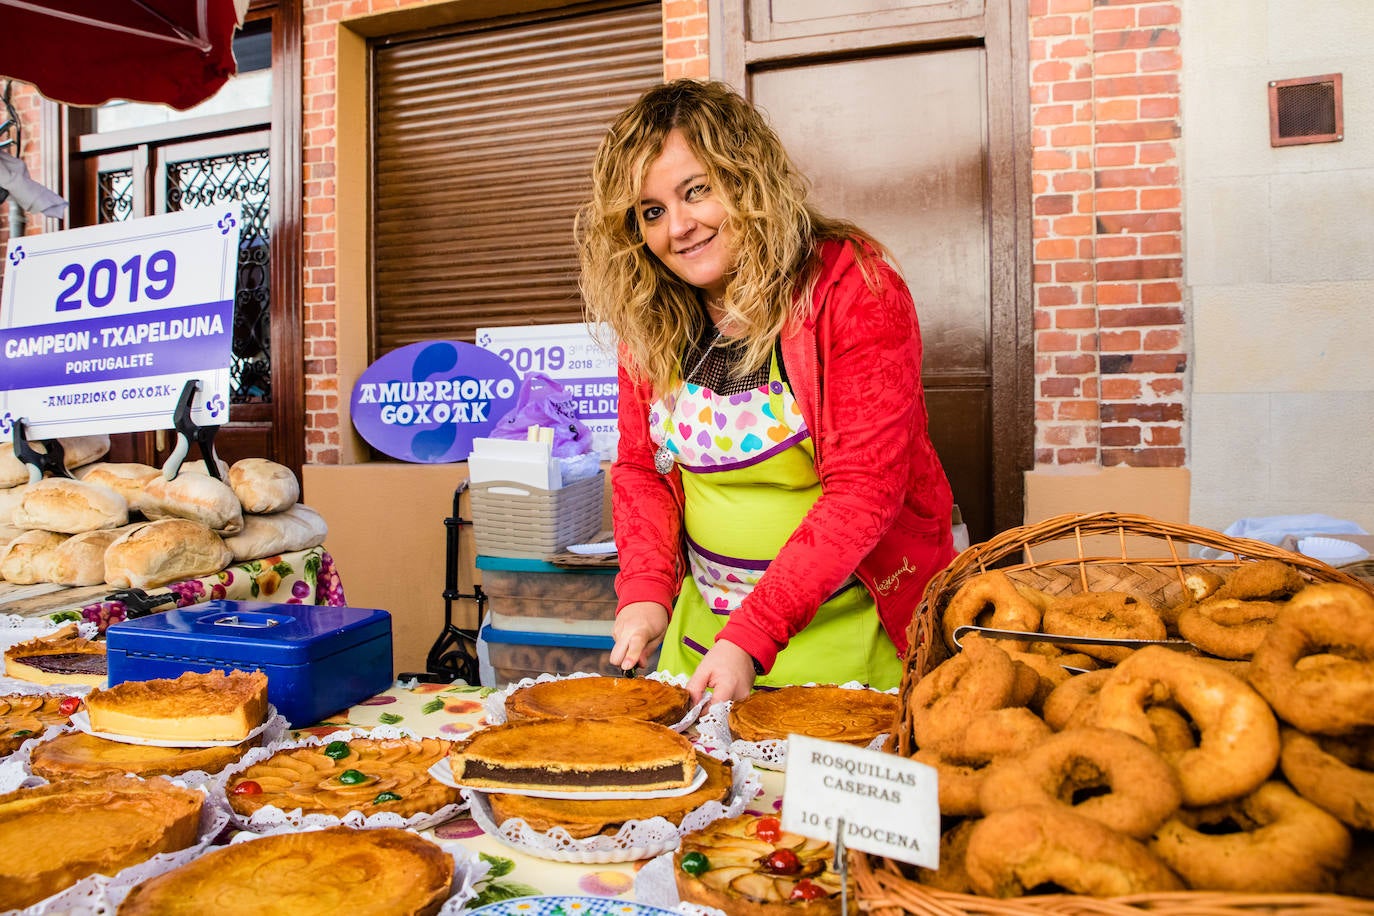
{"type": "Point", "coordinates": [683, 221]}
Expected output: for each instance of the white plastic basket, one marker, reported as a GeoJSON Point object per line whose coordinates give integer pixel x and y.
{"type": "Point", "coordinates": [516, 520]}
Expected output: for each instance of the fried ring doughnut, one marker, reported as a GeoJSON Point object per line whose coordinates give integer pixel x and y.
{"type": "Point", "coordinates": [1062, 707]}
{"type": "Point", "coordinates": [991, 599]}
{"type": "Point", "coordinates": [979, 679]}
{"type": "Point", "coordinates": [1271, 840]}
{"type": "Point", "coordinates": [1035, 847]}
{"type": "Point", "coordinates": [1198, 585]}
{"type": "Point", "coordinates": [1046, 674]}
{"type": "Point", "coordinates": [1103, 774]}
{"type": "Point", "coordinates": [1173, 731]}
{"type": "Point", "coordinates": [963, 765]}
{"type": "Point", "coordinates": [1227, 627]}
{"type": "Point", "coordinates": [1106, 615]}
{"type": "Point", "coordinates": [1238, 737]}
{"type": "Point", "coordinates": [1335, 774]}
{"type": "Point", "coordinates": [952, 875]}
{"type": "Point", "coordinates": [1263, 580]}
{"type": "Point", "coordinates": [1335, 698]}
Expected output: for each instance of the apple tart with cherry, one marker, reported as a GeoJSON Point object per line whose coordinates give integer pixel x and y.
{"type": "Point", "coordinates": [750, 866]}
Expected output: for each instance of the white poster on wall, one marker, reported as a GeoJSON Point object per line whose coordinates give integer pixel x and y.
{"type": "Point", "coordinates": [571, 355]}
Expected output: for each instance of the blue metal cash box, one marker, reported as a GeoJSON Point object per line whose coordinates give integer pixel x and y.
{"type": "Point", "coordinates": [318, 659]}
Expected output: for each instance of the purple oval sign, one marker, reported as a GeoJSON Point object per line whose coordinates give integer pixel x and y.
{"type": "Point", "coordinates": [427, 401]}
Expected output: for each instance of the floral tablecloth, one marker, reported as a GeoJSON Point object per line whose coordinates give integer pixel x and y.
{"type": "Point", "coordinates": [302, 577]}
{"type": "Point", "coordinates": [455, 711]}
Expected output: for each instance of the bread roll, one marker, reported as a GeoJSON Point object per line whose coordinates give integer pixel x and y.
{"type": "Point", "coordinates": [9, 533]}
{"type": "Point", "coordinates": [125, 479]}
{"type": "Point", "coordinates": [164, 551]}
{"type": "Point", "coordinates": [200, 467]}
{"type": "Point", "coordinates": [24, 560]}
{"type": "Point", "coordinates": [76, 451]}
{"type": "Point", "coordinates": [80, 559]}
{"type": "Point", "coordinates": [70, 506]}
{"type": "Point", "coordinates": [298, 528]}
{"type": "Point", "coordinates": [198, 497]}
{"type": "Point", "coordinates": [263, 486]}
{"type": "Point", "coordinates": [10, 499]}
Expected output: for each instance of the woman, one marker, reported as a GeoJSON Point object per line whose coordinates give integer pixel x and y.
{"type": "Point", "coordinates": [778, 505]}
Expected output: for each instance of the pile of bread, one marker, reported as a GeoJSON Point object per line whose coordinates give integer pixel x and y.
{"type": "Point", "coordinates": [126, 525]}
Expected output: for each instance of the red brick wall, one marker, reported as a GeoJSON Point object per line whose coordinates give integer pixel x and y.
{"type": "Point", "coordinates": [686, 49]}
{"type": "Point", "coordinates": [1109, 324]}
{"type": "Point", "coordinates": [27, 103]}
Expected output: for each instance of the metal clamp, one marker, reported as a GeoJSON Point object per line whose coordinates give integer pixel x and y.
{"type": "Point", "coordinates": [137, 602]}
{"type": "Point", "coordinates": [52, 461]}
{"type": "Point", "coordinates": [189, 430]}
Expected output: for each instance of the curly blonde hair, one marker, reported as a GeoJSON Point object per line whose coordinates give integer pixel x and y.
{"type": "Point", "coordinates": [653, 313]}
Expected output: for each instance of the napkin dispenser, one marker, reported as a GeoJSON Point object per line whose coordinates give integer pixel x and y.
{"type": "Point", "coordinates": [318, 659]}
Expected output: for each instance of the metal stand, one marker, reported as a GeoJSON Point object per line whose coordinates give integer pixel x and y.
{"type": "Point", "coordinates": [454, 654]}
{"type": "Point", "coordinates": [53, 461]}
{"type": "Point", "coordinates": [189, 431]}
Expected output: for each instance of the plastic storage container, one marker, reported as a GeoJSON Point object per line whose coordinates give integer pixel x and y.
{"type": "Point", "coordinates": [515, 520]}
{"type": "Point", "coordinates": [537, 596]}
{"type": "Point", "coordinates": [318, 659]}
{"type": "Point", "coordinates": [506, 656]}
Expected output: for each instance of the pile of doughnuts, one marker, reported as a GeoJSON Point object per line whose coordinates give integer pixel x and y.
{"type": "Point", "coordinates": [1241, 763]}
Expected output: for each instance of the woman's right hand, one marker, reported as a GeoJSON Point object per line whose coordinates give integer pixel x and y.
{"type": "Point", "coordinates": [639, 629]}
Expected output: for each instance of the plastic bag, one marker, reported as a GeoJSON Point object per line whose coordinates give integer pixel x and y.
{"type": "Point", "coordinates": [545, 402]}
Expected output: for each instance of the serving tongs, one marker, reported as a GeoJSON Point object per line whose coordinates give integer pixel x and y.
{"type": "Point", "coordinates": [1064, 640]}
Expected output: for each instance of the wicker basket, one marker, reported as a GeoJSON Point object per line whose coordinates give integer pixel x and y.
{"type": "Point", "coordinates": [1108, 551]}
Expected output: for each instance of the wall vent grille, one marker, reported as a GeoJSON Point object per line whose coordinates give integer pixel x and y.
{"type": "Point", "coordinates": [1305, 110]}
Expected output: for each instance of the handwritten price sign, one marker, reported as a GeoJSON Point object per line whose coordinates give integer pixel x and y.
{"type": "Point", "coordinates": [101, 327]}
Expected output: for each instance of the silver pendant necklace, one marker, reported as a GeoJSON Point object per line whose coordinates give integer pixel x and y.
{"type": "Point", "coordinates": [663, 458]}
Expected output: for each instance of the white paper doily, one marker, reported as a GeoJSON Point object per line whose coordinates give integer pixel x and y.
{"type": "Point", "coordinates": [270, 818]}
{"type": "Point", "coordinates": [19, 765]}
{"type": "Point", "coordinates": [714, 731]}
{"type": "Point", "coordinates": [634, 840]}
{"type": "Point", "coordinates": [495, 703]}
{"type": "Point", "coordinates": [655, 885]}
{"type": "Point", "coordinates": [91, 896]}
{"type": "Point", "coordinates": [274, 723]}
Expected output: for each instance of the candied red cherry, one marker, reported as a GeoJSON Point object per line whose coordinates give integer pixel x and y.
{"type": "Point", "coordinates": [69, 705]}
{"type": "Point", "coordinates": [247, 787]}
{"type": "Point", "coordinates": [782, 862]}
{"type": "Point", "coordinates": [806, 889]}
{"type": "Point", "coordinates": [768, 829]}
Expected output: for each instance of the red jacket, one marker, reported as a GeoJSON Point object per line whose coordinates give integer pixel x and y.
{"type": "Point", "coordinates": [854, 365]}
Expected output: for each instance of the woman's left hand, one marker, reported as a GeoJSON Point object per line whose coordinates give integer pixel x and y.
{"type": "Point", "coordinates": [726, 670]}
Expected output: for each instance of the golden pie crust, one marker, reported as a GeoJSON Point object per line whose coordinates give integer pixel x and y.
{"type": "Point", "coordinates": [309, 779]}
{"type": "Point", "coordinates": [23, 717]}
{"type": "Point", "coordinates": [54, 835]}
{"type": "Point", "coordinates": [82, 756]}
{"type": "Point", "coordinates": [576, 754]}
{"type": "Point", "coordinates": [197, 706]}
{"type": "Point", "coordinates": [584, 818]}
{"type": "Point", "coordinates": [330, 872]}
{"type": "Point", "coordinates": [834, 713]}
{"type": "Point", "coordinates": [739, 882]}
{"type": "Point", "coordinates": [600, 698]}
{"type": "Point", "coordinates": [49, 661]}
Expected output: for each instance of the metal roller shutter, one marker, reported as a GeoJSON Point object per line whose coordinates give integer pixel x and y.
{"type": "Point", "coordinates": [482, 147]}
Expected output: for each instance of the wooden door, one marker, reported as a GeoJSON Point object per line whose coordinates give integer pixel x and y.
{"type": "Point", "coordinates": [903, 114]}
